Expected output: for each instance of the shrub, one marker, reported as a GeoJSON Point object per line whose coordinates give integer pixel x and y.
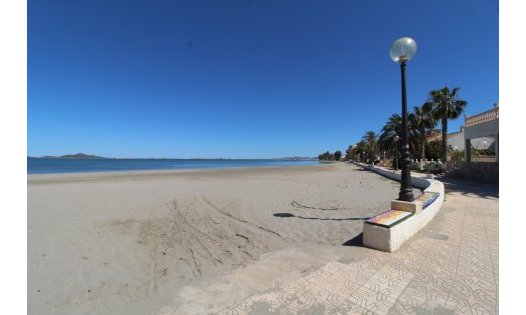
{"type": "Point", "coordinates": [433, 150]}
{"type": "Point", "coordinates": [434, 168]}
{"type": "Point", "coordinates": [457, 155]}
{"type": "Point", "coordinates": [416, 166]}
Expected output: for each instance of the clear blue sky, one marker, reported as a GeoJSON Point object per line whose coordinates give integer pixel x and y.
{"type": "Point", "coordinates": [245, 79]}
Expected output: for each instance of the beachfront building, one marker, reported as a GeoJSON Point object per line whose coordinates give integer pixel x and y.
{"type": "Point", "coordinates": [457, 142]}
{"type": "Point", "coordinates": [480, 127]}
{"type": "Point", "coordinates": [480, 132]}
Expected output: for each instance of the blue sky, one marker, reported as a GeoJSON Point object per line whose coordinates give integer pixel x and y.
{"type": "Point", "coordinates": [245, 79]}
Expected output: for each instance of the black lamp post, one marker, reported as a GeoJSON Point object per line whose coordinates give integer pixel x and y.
{"type": "Point", "coordinates": [403, 50]}
{"type": "Point", "coordinates": [396, 138]}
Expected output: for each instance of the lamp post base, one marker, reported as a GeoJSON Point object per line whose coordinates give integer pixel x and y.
{"type": "Point", "coordinates": [406, 195]}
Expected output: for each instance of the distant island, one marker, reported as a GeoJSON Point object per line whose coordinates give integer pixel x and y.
{"type": "Point", "coordinates": [72, 156]}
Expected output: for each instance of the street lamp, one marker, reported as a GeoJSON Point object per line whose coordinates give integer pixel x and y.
{"type": "Point", "coordinates": [403, 50]}
{"type": "Point", "coordinates": [396, 138]}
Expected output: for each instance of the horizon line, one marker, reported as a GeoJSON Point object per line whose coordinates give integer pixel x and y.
{"type": "Point", "coordinates": [173, 158]}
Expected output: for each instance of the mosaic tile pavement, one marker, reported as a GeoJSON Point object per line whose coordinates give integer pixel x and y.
{"type": "Point", "coordinates": [450, 267]}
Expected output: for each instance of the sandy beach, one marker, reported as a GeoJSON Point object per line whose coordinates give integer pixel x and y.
{"type": "Point", "coordinates": [126, 243]}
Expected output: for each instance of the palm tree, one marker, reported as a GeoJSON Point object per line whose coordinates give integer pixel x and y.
{"type": "Point", "coordinates": [358, 149]}
{"type": "Point", "coordinates": [370, 140]}
{"type": "Point", "coordinates": [446, 105]}
{"type": "Point", "coordinates": [393, 128]}
{"type": "Point", "coordinates": [422, 119]}
{"type": "Point", "coordinates": [349, 153]}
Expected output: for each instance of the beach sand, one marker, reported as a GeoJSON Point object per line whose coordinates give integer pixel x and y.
{"type": "Point", "coordinates": [126, 243]}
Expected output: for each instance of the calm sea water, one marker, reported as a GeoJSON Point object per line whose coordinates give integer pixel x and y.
{"type": "Point", "coordinates": [46, 166]}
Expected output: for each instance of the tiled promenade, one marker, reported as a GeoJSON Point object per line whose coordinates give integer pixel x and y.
{"type": "Point", "coordinates": [450, 267]}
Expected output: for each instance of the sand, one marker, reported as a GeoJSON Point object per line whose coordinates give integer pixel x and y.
{"type": "Point", "coordinates": [127, 243]}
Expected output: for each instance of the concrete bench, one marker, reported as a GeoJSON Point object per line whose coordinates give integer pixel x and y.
{"type": "Point", "coordinates": [391, 229]}
{"type": "Point", "coordinates": [392, 217]}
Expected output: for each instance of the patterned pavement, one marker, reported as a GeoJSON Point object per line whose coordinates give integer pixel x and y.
{"type": "Point", "coordinates": [450, 267]}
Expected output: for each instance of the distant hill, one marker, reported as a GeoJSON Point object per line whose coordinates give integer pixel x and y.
{"type": "Point", "coordinates": [81, 156]}
{"type": "Point", "coordinates": [74, 156]}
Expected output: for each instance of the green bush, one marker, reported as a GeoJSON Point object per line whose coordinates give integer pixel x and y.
{"type": "Point", "coordinates": [416, 166]}
{"type": "Point", "coordinates": [457, 155]}
{"type": "Point", "coordinates": [434, 168]}
{"type": "Point", "coordinates": [433, 150]}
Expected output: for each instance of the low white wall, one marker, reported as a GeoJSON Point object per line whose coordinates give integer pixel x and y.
{"type": "Point", "coordinates": [390, 239]}
{"type": "Point", "coordinates": [418, 181]}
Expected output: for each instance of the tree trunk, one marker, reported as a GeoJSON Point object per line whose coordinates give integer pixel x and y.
{"type": "Point", "coordinates": [423, 143]}
{"type": "Point", "coordinates": [444, 139]}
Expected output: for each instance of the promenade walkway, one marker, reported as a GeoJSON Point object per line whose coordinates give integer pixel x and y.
{"type": "Point", "coordinates": [449, 267]}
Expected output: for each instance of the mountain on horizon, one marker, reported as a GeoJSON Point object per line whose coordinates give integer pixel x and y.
{"type": "Point", "coordinates": [73, 156]}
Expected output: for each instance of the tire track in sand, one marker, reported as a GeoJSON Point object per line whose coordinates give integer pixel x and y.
{"type": "Point", "coordinates": [238, 220]}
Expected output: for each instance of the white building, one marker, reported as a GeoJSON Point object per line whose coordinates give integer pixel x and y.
{"type": "Point", "coordinates": [457, 141]}
{"type": "Point", "coordinates": [479, 128]}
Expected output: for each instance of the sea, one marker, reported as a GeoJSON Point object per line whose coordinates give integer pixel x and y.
{"type": "Point", "coordinates": [77, 165]}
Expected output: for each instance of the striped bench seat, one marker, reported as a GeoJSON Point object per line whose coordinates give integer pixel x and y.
{"type": "Point", "coordinates": [389, 218]}
{"type": "Point", "coordinates": [427, 198]}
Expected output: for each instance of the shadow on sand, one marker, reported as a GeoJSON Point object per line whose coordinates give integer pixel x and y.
{"type": "Point", "coordinates": [290, 215]}
{"type": "Point", "coordinates": [360, 170]}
